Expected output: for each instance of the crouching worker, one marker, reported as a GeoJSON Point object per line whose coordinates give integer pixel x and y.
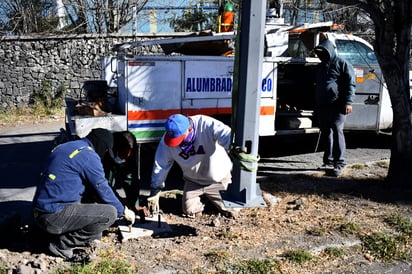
{"type": "Point", "coordinates": [57, 206]}
{"type": "Point", "coordinates": [122, 171]}
{"type": "Point", "coordinates": [199, 146]}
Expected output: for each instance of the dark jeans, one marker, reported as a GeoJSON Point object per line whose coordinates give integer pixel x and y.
{"type": "Point", "coordinates": [77, 224]}
{"type": "Point", "coordinates": [331, 122]}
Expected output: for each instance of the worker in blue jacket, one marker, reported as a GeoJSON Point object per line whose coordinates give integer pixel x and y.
{"type": "Point", "coordinates": [335, 91]}
{"type": "Point", "coordinates": [57, 204]}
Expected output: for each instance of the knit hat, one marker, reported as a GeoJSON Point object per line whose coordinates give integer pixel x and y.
{"type": "Point", "coordinates": [102, 141]}
{"type": "Point", "coordinates": [176, 127]}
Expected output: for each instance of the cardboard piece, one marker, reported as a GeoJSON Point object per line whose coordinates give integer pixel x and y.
{"type": "Point", "coordinates": [151, 226]}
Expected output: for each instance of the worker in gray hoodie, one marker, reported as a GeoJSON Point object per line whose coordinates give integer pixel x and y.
{"type": "Point", "coordinates": [198, 144]}
{"type": "Point", "coordinates": [335, 90]}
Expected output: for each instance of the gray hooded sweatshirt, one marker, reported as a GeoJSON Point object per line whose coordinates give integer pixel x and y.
{"type": "Point", "coordinates": [335, 78]}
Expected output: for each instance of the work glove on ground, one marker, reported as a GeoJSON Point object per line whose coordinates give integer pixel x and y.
{"type": "Point", "coordinates": [129, 215]}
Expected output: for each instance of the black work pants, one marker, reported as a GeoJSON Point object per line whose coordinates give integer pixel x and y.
{"type": "Point", "coordinates": [77, 224]}
{"type": "Point", "coordinates": [331, 122]}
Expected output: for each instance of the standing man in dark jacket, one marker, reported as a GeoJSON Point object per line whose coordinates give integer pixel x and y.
{"type": "Point", "coordinates": [335, 90]}
{"type": "Point", "coordinates": [57, 207]}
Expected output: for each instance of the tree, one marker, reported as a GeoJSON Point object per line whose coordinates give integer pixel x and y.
{"type": "Point", "coordinates": [81, 16]}
{"type": "Point", "coordinates": [28, 16]}
{"type": "Point", "coordinates": [193, 20]}
{"type": "Point", "coordinates": [392, 20]}
{"type": "Point", "coordinates": [100, 16]}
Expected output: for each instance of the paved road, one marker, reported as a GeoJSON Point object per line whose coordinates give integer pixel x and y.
{"type": "Point", "coordinates": [23, 150]}
{"type": "Point", "coordinates": [301, 154]}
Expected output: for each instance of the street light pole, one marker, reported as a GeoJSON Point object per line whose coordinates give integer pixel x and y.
{"type": "Point", "coordinates": [244, 191]}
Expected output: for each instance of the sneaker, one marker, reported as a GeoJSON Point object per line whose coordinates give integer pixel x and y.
{"type": "Point", "coordinates": [59, 252]}
{"type": "Point", "coordinates": [326, 167]}
{"type": "Point", "coordinates": [337, 171]}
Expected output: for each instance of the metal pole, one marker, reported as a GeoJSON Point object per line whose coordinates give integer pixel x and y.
{"type": "Point", "coordinates": [244, 192]}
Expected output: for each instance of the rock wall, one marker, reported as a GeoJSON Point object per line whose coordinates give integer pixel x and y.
{"type": "Point", "coordinates": [27, 63]}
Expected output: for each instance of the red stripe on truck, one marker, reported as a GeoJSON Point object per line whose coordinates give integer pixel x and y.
{"type": "Point", "coordinates": [164, 114]}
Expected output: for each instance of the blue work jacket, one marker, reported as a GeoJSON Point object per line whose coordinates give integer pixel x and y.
{"type": "Point", "coordinates": [69, 169]}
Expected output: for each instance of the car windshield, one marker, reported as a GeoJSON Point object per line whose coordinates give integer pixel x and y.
{"type": "Point", "coordinates": [355, 52]}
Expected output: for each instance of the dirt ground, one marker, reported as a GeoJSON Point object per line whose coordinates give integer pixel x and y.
{"type": "Point", "coordinates": [303, 213]}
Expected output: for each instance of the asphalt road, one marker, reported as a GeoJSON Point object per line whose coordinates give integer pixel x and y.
{"type": "Point", "coordinates": [24, 148]}
{"type": "Point", "coordinates": [23, 151]}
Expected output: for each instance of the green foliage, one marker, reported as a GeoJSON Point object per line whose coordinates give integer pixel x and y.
{"type": "Point", "coordinates": [217, 256]}
{"type": "Point", "coordinates": [255, 266]}
{"type": "Point", "coordinates": [334, 251]}
{"type": "Point", "coordinates": [317, 231]}
{"type": "Point", "coordinates": [350, 228]}
{"type": "Point", "coordinates": [3, 268]}
{"type": "Point", "coordinates": [385, 247]}
{"type": "Point", "coordinates": [109, 263]}
{"type": "Point", "coordinates": [44, 100]}
{"type": "Point", "coordinates": [384, 164]}
{"type": "Point", "coordinates": [228, 235]}
{"type": "Point", "coordinates": [402, 224]}
{"type": "Point", "coordinates": [193, 20]}
{"type": "Point", "coordinates": [358, 166]}
{"type": "Point", "coordinates": [298, 256]}
{"type": "Point", "coordinates": [242, 267]}
{"type": "Point", "coordinates": [43, 103]}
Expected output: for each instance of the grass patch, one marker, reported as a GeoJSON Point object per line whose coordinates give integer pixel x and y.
{"type": "Point", "coordinates": [43, 103]}
{"type": "Point", "coordinates": [256, 266]}
{"type": "Point", "coordinates": [351, 228]}
{"type": "Point", "coordinates": [358, 166]}
{"type": "Point", "coordinates": [249, 266]}
{"type": "Point", "coordinates": [298, 256]}
{"type": "Point", "coordinates": [3, 268]}
{"type": "Point", "coordinates": [334, 251]}
{"type": "Point", "coordinates": [386, 247]}
{"type": "Point", "coordinates": [109, 262]}
{"type": "Point", "coordinates": [228, 235]}
{"type": "Point", "coordinates": [384, 164]}
{"type": "Point", "coordinates": [28, 114]}
{"type": "Point", "coordinates": [400, 223]}
{"type": "Point", "coordinates": [217, 256]}
{"type": "Point", "coordinates": [317, 231]}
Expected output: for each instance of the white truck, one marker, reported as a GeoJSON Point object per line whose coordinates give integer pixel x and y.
{"type": "Point", "coordinates": [147, 89]}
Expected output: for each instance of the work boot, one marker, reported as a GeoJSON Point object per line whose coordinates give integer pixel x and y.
{"type": "Point", "coordinates": [80, 256]}
{"type": "Point", "coordinates": [57, 251]}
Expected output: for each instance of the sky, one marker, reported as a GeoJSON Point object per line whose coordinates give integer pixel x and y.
{"type": "Point", "coordinates": [160, 12]}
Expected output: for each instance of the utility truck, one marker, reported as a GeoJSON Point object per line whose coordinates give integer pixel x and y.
{"type": "Point", "coordinates": [137, 92]}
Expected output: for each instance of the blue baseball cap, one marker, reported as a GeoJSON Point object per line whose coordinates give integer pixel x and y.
{"type": "Point", "coordinates": [176, 128]}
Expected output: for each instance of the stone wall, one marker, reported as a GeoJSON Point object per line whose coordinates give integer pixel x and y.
{"type": "Point", "coordinates": [63, 61]}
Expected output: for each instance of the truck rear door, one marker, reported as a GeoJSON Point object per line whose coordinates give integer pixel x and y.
{"type": "Point", "coordinates": [153, 88]}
